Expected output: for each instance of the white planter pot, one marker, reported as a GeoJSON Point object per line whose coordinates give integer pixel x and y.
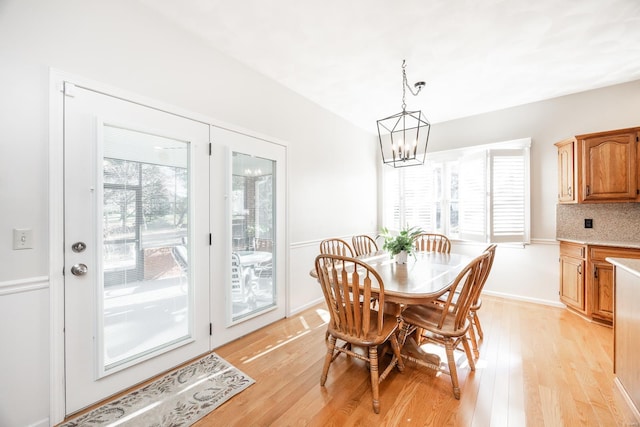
{"type": "Point", "coordinates": [401, 258]}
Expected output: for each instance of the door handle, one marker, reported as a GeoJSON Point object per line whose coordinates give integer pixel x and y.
{"type": "Point", "coordinates": [79, 269]}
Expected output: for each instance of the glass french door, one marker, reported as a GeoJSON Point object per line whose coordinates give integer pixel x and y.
{"type": "Point", "coordinates": [172, 245]}
{"type": "Point", "coordinates": [136, 244]}
{"type": "Point", "coordinates": [249, 234]}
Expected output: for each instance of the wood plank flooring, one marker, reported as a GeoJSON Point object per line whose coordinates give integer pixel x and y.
{"type": "Point", "coordinates": [538, 366]}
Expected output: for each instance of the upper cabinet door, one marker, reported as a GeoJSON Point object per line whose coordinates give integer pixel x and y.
{"type": "Point", "coordinates": [609, 171]}
{"type": "Point", "coordinates": [566, 171]}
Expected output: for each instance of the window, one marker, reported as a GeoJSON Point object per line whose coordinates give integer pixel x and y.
{"type": "Point", "coordinates": [477, 193]}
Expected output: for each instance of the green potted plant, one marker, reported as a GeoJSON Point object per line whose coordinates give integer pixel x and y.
{"type": "Point", "coordinates": [400, 245]}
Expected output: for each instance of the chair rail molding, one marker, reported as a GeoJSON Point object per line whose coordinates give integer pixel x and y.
{"type": "Point", "coordinates": [24, 285]}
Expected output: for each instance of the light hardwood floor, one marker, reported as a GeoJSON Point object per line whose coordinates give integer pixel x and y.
{"type": "Point", "coordinates": [538, 366]}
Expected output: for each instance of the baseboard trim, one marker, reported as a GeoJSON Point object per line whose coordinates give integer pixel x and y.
{"type": "Point", "coordinates": [627, 399]}
{"type": "Point", "coordinates": [524, 299]}
{"type": "Point", "coordinates": [23, 285]}
{"type": "Point", "coordinates": [41, 423]}
{"type": "Point", "coordinates": [306, 306]}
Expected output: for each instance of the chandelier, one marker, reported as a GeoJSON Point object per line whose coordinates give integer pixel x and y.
{"type": "Point", "coordinates": [404, 136]}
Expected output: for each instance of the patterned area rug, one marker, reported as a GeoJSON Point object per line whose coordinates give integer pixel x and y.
{"type": "Point", "coordinates": [180, 398]}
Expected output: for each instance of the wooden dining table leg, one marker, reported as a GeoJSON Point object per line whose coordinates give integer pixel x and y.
{"type": "Point", "coordinates": [411, 351]}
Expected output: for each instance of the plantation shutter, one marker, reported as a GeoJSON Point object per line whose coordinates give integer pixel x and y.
{"type": "Point", "coordinates": [473, 197]}
{"type": "Point", "coordinates": [391, 199]}
{"type": "Point", "coordinates": [418, 197]}
{"type": "Point", "coordinates": [509, 195]}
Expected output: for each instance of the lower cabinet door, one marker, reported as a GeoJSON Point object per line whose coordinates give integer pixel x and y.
{"type": "Point", "coordinates": [602, 292]}
{"type": "Point", "coordinates": [572, 282]}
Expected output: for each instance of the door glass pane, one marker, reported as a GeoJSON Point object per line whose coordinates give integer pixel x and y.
{"type": "Point", "coordinates": [119, 228]}
{"type": "Point", "coordinates": [145, 266]}
{"type": "Point", "coordinates": [253, 246]}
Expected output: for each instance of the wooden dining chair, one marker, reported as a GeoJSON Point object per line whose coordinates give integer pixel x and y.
{"type": "Point", "coordinates": [476, 327]}
{"type": "Point", "coordinates": [432, 242]}
{"type": "Point", "coordinates": [447, 324]}
{"type": "Point", "coordinates": [335, 246]}
{"type": "Point", "coordinates": [355, 322]}
{"type": "Point", "coordinates": [363, 244]}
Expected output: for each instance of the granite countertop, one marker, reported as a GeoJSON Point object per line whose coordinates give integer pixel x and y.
{"type": "Point", "coordinates": [631, 265]}
{"type": "Point", "coordinates": [630, 245]}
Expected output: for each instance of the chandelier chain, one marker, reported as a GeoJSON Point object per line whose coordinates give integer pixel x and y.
{"type": "Point", "coordinates": [405, 84]}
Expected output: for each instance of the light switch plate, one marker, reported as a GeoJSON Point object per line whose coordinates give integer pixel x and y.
{"type": "Point", "coordinates": [22, 238]}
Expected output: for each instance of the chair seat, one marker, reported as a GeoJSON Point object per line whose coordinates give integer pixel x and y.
{"type": "Point", "coordinates": [372, 338]}
{"type": "Point", "coordinates": [428, 316]}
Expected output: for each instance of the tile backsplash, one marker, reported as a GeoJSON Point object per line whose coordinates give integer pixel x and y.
{"type": "Point", "coordinates": [612, 222]}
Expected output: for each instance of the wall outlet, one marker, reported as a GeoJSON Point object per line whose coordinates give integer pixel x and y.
{"type": "Point", "coordinates": [22, 238]}
{"type": "Point", "coordinates": [588, 223]}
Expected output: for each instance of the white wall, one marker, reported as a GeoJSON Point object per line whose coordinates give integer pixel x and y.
{"type": "Point", "coordinates": [123, 44]}
{"type": "Point", "coordinates": [532, 273]}
{"type": "Point", "coordinates": [24, 358]}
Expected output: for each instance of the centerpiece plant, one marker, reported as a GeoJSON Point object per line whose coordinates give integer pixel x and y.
{"type": "Point", "coordinates": [400, 245]}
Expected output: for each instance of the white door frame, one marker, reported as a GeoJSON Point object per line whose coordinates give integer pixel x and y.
{"type": "Point", "coordinates": [57, 78]}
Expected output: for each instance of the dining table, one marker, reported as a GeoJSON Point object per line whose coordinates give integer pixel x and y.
{"type": "Point", "coordinates": [421, 280]}
{"type": "Point", "coordinates": [424, 277]}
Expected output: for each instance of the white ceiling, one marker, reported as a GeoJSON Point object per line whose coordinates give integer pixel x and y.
{"type": "Point", "coordinates": [475, 55]}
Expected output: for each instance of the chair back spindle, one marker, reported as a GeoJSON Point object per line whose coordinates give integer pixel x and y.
{"type": "Point", "coordinates": [432, 242]}
{"type": "Point", "coordinates": [463, 292]}
{"type": "Point", "coordinates": [335, 246]}
{"type": "Point", "coordinates": [343, 280]}
{"type": "Point", "coordinates": [363, 244]}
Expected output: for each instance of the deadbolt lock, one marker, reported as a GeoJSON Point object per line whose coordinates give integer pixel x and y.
{"type": "Point", "coordinates": [78, 247]}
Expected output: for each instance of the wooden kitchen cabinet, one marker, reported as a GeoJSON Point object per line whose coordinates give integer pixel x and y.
{"type": "Point", "coordinates": [586, 278]}
{"type": "Point", "coordinates": [599, 167]}
{"type": "Point", "coordinates": [572, 264]}
{"type": "Point", "coordinates": [638, 165]}
{"type": "Point", "coordinates": [609, 165]}
{"type": "Point", "coordinates": [567, 157]}
{"type": "Point", "coordinates": [600, 283]}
